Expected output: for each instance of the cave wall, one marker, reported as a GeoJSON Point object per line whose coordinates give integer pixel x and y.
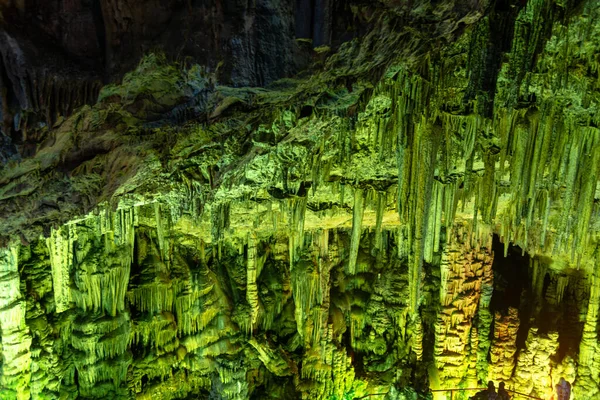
{"type": "Point", "coordinates": [56, 55]}
{"type": "Point", "coordinates": [351, 233]}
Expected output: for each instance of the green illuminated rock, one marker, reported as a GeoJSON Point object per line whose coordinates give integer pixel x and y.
{"type": "Point", "coordinates": [419, 211]}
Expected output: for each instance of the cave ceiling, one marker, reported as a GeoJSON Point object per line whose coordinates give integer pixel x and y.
{"type": "Point", "coordinates": [295, 199]}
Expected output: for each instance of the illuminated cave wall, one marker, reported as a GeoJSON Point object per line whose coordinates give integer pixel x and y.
{"type": "Point", "coordinates": [130, 303]}
{"type": "Point", "coordinates": [386, 225]}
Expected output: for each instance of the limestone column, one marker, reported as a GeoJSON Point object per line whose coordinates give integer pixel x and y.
{"type": "Point", "coordinates": [465, 292]}
{"type": "Point", "coordinates": [589, 360]}
{"type": "Point", "coordinates": [16, 340]}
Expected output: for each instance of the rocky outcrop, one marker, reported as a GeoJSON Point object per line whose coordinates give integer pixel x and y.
{"type": "Point", "coordinates": [56, 55]}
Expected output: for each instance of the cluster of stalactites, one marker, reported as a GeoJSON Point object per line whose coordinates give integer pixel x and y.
{"type": "Point", "coordinates": [500, 173]}
{"type": "Point", "coordinates": [91, 266]}
{"type": "Point", "coordinates": [97, 252]}
{"type": "Point", "coordinates": [311, 287]}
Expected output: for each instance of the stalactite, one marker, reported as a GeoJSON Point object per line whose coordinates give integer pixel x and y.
{"type": "Point", "coordinates": [357, 218]}
{"type": "Point", "coordinates": [251, 286]}
{"type": "Point", "coordinates": [158, 332]}
{"type": "Point", "coordinates": [160, 232]}
{"type": "Point", "coordinates": [100, 340]}
{"type": "Point", "coordinates": [47, 372]}
{"type": "Point", "coordinates": [418, 210]}
{"type": "Point", "coordinates": [305, 284]}
{"type": "Point", "coordinates": [562, 283]}
{"type": "Point", "coordinates": [297, 211]}
{"type": "Point", "coordinates": [380, 210]}
{"type": "Point", "coordinates": [60, 244]}
{"type": "Point", "coordinates": [113, 371]}
{"type": "Point", "coordinates": [102, 282]}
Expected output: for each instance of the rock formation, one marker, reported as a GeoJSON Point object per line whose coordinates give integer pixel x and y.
{"type": "Point", "coordinates": [359, 199]}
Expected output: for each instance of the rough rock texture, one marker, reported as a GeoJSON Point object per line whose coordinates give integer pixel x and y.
{"type": "Point", "coordinates": [55, 55]}
{"type": "Point", "coordinates": [465, 292]}
{"type": "Point", "coordinates": [419, 210]}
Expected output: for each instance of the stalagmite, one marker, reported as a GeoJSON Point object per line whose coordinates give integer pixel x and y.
{"type": "Point", "coordinates": [532, 374]}
{"type": "Point", "coordinates": [504, 346]}
{"type": "Point", "coordinates": [587, 382]}
{"type": "Point", "coordinates": [467, 294]}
